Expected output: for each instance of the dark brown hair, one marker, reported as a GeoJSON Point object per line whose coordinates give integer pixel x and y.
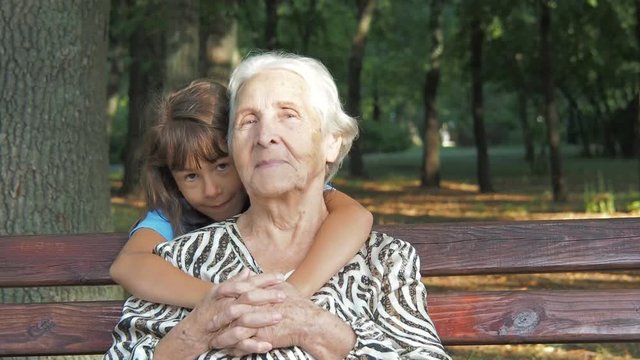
{"type": "Point", "coordinates": [190, 127]}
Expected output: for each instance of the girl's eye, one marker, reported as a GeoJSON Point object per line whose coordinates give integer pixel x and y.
{"type": "Point", "coordinates": [222, 166]}
{"type": "Point", "coordinates": [190, 177]}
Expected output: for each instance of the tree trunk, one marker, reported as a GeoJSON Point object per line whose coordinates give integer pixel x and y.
{"type": "Point", "coordinates": [271, 25]}
{"type": "Point", "coordinates": [584, 137]}
{"type": "Point", "coordinates": [53, 125]}
{"type": "Point", "coordinates": [637, 112]}
{"type": "Point", "coordinates": [145, 80]}
{"type": "Point", "coordinates": [527, 136]}
{"type": "Point", "coordinates": [477, 105]}
{"type": "Point", "coordinates": [365, 16]}
{"type": "Point", "coordinates": [376, 112]}
{"type": "Point", "coordinates": [182, 43]}
{"type": "Point", "coordinates": [551, 115]}
{"type": "Point", "coordinates": [430, 172]}
{"type": "Point", "coordinates": [309, 25]}
{"type": "Point", "coordinates": [219, 42]}
{"type": "Point", "coordinates": [523, 96]}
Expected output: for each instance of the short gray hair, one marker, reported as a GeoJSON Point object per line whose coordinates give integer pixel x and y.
{"type": "Point", "coordinates": [323, 96]}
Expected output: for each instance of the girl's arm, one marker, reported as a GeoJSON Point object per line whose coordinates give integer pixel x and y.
{"type": "Point", "coordinates": [341, 235]}
{"type": "Point", "coordinates": [148, 276]}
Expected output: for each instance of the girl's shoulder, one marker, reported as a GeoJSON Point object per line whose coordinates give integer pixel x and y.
{"type": "Point", "coordinates": [156, 221]}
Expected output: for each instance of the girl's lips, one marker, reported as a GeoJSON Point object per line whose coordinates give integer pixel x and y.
{"type": "Point", "coordinates": [222, 204]}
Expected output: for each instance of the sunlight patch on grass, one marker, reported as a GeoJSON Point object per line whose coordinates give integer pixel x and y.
{"type": "Point", "coordinates": [574, 280]}
{"type": "Point", "coordinates": [545, 352]}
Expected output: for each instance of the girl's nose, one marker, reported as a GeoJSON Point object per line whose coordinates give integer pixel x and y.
{"type": "Point", "coordinates": [211, 188]}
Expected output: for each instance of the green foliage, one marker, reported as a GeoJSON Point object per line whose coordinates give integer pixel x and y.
{"type": "Point", "coordinates": [599, 199]}
{"type": "Point", "coordinates": [634, 206]}
{"type": "Point", "coordinates": [384, 137]}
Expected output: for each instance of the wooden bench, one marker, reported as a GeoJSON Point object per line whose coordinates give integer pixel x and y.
{"type": "Point", "coordinates": [462, 317]}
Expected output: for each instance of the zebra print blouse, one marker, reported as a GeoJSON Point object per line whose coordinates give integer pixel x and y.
{"type": "Point", "coordinates": [379, 293]}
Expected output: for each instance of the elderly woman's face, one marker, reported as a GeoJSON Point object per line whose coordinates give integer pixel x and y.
{"type": "Point", "coordinates": [277, 142]}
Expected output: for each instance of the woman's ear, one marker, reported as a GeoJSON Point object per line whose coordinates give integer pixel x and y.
{"type": "Point", "coordinates": [332, 144]}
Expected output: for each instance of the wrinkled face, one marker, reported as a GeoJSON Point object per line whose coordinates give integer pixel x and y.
{"type": "Point", "coordinates": [277, 142]}
{"type": "Point", "coordinates": [213, 188]}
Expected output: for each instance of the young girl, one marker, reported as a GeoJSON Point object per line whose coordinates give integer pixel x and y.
{"type": "Point", "coordinates": [190, 182]}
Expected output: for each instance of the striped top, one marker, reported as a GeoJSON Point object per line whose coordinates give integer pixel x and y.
{"type": "Point", "coordinates": [379, 293]}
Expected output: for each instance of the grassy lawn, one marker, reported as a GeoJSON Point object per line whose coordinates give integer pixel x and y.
{"type": "Point", "coordinates": [393, 195]}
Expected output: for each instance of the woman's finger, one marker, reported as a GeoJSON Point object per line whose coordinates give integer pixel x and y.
{"type": "Point", "coordinates": [235, 288]}
{"type": "Point", "coordinates": [229, 337]}
{"type": "Point", "coordinates": [251, 346]}
{"type": "Point", "coordinates": [262, 296]}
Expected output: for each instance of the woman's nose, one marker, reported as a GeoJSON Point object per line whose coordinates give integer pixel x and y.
{"type": "Point", "coordinates": [267, 131]}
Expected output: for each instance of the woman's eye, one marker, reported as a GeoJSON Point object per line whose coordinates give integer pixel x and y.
{"type": "Point", "coordinates": [290, 114]}
{"type": "Point", "coordinates": [248, 120]}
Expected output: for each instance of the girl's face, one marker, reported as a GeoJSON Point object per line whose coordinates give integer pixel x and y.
{"type": "Point", "coordinates": [214, 189]}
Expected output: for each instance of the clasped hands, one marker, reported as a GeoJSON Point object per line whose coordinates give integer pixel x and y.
{"type": "Point", "coordinates": [254, 313]}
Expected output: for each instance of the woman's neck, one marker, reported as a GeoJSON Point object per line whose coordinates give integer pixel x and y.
{"type": "Point", "coordinates": [283, 225]}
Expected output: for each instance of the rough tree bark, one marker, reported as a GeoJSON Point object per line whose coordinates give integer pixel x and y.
{"type": "Point", "coordinates": [430, 173]}
{"type": "Point", "coordinates": [551, 114]}
{"type": "Point", "coordinates": [365, 16]}
{"type": "Point", "coordinates": [53, 125]}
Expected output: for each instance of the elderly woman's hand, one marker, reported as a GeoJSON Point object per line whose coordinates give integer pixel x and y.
{"type": "Point", "coordinates": [208, 325]}
{"type": "Point", "coordinates": [306, 325]}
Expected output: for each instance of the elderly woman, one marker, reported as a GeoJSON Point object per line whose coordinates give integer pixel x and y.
{"type": "Point", "coordinates": [288, 137]}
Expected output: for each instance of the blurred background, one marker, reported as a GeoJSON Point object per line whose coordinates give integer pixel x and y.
{"type": "Point", "coordinates": [469, 110]}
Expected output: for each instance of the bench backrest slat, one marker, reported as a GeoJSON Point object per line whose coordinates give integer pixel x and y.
{"type": "Point", "coordinates": [41, 260]}
{"type": "Point", "coordinates": [523, 247]}
{"type": "Point", "coordinates": [445, 249]}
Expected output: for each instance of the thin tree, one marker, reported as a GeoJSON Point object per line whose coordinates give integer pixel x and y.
{"type": "Point", "coordinates": [550, 112]}
{"type": "Point", "coordinates": [637, 112]}
{"type": "Point", "coordinates": [365, 16]}
{"type": "Point", "coordinates": [218, 40]}
{"type": "Point", "coordinates": [523, 95]}
{"type": "Point", "coordinates": [477, 106]}
{"type": "Point", "coordinates": [182, 43]}
{"type": "Point", "coordinates": [145, 79]}
{"type": "Point", "coordinates": [271, 25]}
{"type": "Point", "coordinates": [53, 135]}
{"type": "Point", "coordinates": [430, 173]}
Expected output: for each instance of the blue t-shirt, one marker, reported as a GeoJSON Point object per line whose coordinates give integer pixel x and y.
{"type": "Point", "coordinates": [156, 221]}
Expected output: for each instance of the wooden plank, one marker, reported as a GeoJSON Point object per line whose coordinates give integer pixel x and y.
{"type": "Point", "coordinates": [462, 318]}
{"type": "Point", "coordinates": [57, 328]}
{"type": "Point", "coordinates": [41, 260]}
{"type": "Point", "coordinates": [528, 317]}
{"type": "Point", "coordinates": [523, 247]}
{"type": "Point", "coordinates": [445, 249]}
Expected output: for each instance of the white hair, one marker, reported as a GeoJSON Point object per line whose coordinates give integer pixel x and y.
{"type": "Point", "coordinates": [323, 95]}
